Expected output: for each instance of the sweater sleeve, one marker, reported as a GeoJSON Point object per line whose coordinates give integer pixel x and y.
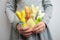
{"type": "Point", "coordinates": [10, 12]}
{"type": "Point", "coordinates": [48, 10]}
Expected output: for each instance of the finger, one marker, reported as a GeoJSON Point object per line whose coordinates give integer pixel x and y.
{"type": "Point", "coordinates": [24, 29]}
{"type": "Point", "coordinates": [35, 28]}
{"type": "Point", "coordinates": [21, 31]}
{"type": "Point", "coordinates": [38, 27]}
{"type": "Point", "coordinates": [42, 27]}
{"type": "Point", "coordinates": [27, 34]}
{"type": "Point", "coordinates": [27, 31]}
{"type": "Point", "coordinates": [18, 28]}
{"type": "Point", "coordinates": [40, 30]}
{"type": "Point", "coordinates": [40, 23]}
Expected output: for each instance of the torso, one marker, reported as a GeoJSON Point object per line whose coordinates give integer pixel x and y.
{"type": "Point", "coordinates": [22, 3]}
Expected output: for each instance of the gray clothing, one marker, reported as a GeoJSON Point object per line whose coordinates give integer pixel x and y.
{"type": "Point", "coordinates": [13, 5]}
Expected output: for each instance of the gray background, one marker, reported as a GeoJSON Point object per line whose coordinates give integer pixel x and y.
{"type": "Point", "coordinates": [54, 24]}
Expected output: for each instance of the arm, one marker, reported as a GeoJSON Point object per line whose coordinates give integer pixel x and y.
{"type": "Point", "coordinates": [10, 12]}
{"type": "Point", "coordinates": [48, 10]}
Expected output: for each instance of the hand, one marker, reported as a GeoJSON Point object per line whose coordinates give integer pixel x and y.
{"type": "Point", "coordinates": [39, 27]}
{"type": "Point", "coordinates": [24, 31]}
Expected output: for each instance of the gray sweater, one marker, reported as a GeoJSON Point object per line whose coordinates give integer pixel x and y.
{"type": "Point", "coordinates": [44, 5]}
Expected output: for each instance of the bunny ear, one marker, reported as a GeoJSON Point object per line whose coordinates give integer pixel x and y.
{"type": "Point", "coordinates": [23, 13]}
{"type": "Point", "coordinates": [37, 7]}
{"type": "Point", "coordinates": [41, 14]}
{"type": "Point", "coordinates": [18, 14]}
{"type": "Point", "coordinates": [32, 6]}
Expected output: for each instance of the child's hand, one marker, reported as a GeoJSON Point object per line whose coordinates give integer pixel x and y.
{"type": "Point", "coordinates": [39, 27]}
{"type": "Point", "coordinates": [24, 31]}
